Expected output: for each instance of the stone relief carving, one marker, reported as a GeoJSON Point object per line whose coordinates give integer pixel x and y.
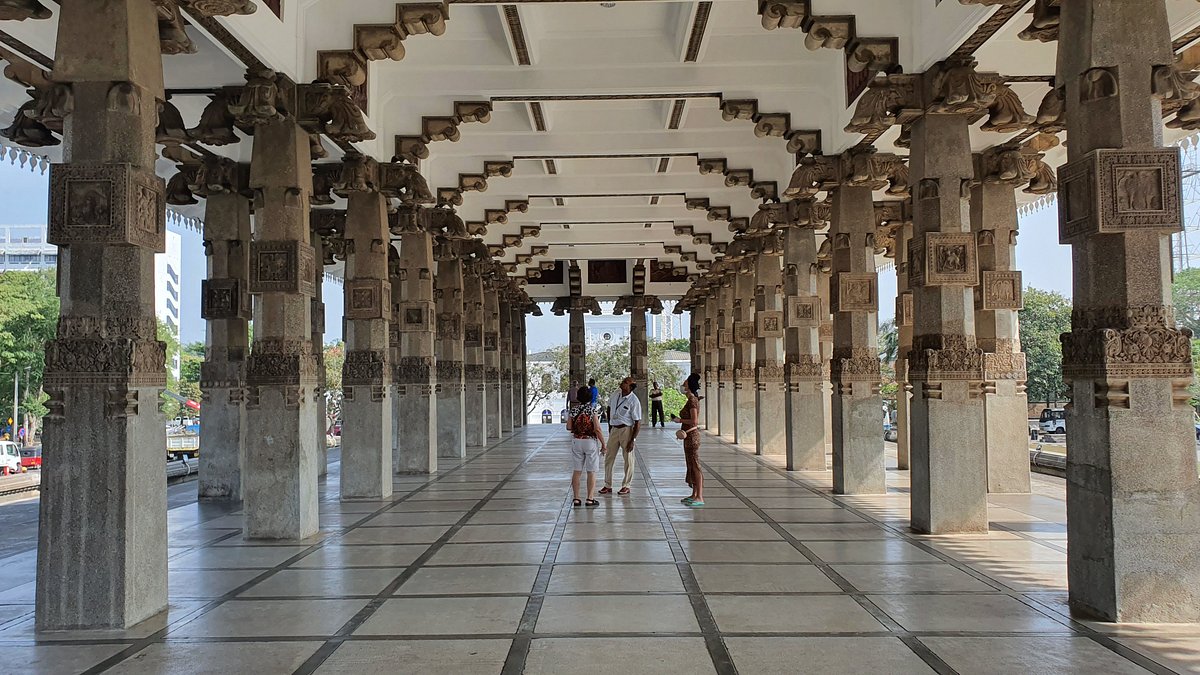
{"type": "Point", "coordinates": [111, 204]}
{"type": "Point", "coordinates": [948, 259]}
{"type": "Point", "coordinates": [365, 367]}
{"type": "Point", "coordinates": [1111, 191]}
{"type": "Point", "coordinates": [854, 364]}
{"type": "Point", "coordinates": [856, 292]}
{"type": "Point", "coordinates": [282, 267]}
{"type": "Point", "coordinates": [367, 299]}
{"type": "Point", "coordinates": [259, 101]}
{"type": "Point", "coordinates": [1001, 290]}
{"type": "Point", "coordinates": [224, 299]}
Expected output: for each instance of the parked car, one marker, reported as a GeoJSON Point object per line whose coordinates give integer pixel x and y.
{"type": "Point", "coordinates": [10, 458]}
{"type": "Point", "coordinates": [31, 458]}
{"type": "Point", "coordinates": [890, 432]}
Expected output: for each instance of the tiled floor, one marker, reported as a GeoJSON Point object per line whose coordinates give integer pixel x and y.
{"type": "Point", "coordinates": [486, 568]}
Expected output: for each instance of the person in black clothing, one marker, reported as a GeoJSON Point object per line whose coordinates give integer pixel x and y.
{"type": "Point", "coordinates": [656, 406]}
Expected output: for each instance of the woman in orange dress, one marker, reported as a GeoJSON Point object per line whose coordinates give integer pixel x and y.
{"type": "Point", "coordinates": [689, 419]}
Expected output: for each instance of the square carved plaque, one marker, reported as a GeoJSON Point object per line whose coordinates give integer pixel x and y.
{"type": "Point", "coordinates": [449, 325]}
{"type": "Point", "coordinates": [904, 309]}
{"type": "Point", "coordinates": [769, 324]}
{"type": "Point", "coordinates": [803, 311]}
{"type": "Point", "coordinates": [743, 332]}
{"type": "Point", "coordinates": [491, 342]}
{"type": "Point", "coordinates": [857, 292]}
{"type": "Point", "coordinates": [415, 317]}
{"type": "Point", "coordinates": [950, 259]}
{"type": "Point", "coordinates": [282, 267]}
{"type": "Point", "coordinates": [1001, 290]}
{"type": "Point", "coordinates": [223, 299]}
{"type": "Point", "coordinates": [472, 336]}
{"type": "Point", "coordinates": [107, 204]}
{"type": "Point", "coordinates": [576, 349]}
{"type": "Point", "coordinates": [1112, 191]}
{"type": "Point", "coordinates": [367, 299]}
{"type": "Point", "coordinates": [710, 343]}
{"type": "Point", "coordinates": [724, 339]}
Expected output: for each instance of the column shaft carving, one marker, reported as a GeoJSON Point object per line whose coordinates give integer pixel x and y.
{"type": "Point", "coordinates": [745, 419]}
{"type": "Point", "coordinates": [577, 348]}
{"type": "Point", "coordinates": [451, 412]}
{"type": "Point", "coordinates": [725, 360]}
{"type": "Point", "coordinates": [769, 405]}
{"type": "Point", "coordinates": [491, 355]}
{"type": "Point", "coordinates": [414, 375]}
{"type": "Point", "coordinates": [505, 356]}
{"type": "Point", "coordinates": [804, 369]}
{"type": "Point", "coordinates": [473, 361]}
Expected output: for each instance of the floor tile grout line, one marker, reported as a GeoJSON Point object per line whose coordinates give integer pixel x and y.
{"type": "Point", "coordinates": [157, 636]}
{"type": "Point", "coordinates": [331, 644]}
{"type": "Point", "coordinates": [1069, 622]}
{"type": "Point", "coordinates": [1028, 537]}
{"type": "Point", "coordinates": [925, 654]}
{"type": "Point", "coordinates": [714, 641]}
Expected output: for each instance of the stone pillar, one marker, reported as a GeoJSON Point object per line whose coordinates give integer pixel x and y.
{"type": "Point", "coordinates": [745, 419]}
{"type": "Point", "coordinates": [806, 398]}
{"type": "Point", "coordinates": [858, 457]}
{"type": "Point", "coordinates": [725, 369]}
{"type": "Point", "coordinates": [415, 420]}
{"type": "Point", "coordinates": [577, 356]}
{"type": "Point", "coordinates": [904, 335]}
{"type": "Point", "coordinates": [949, 466]}
{"type": "Point", "coordinates": [225, 305]}
{"type": "Point", "coordinates": [1133, 499]}
{"type": "Point", "coordinates": [517, 342]}
{"type": "Point", "coordinates": [317, 317]}
{"type": "Point", "coordinates": [997, 302]}
{"type": "Point", "coordinates": [474, 370]}
{"type": "Point", "coordinates": [825, 331]}
{"type": "Point", "coordinates": [504, 357]}
{"type": "Point", "coordinates": [639, 367]}
{"type": "Point", "coordinates": [102, 539]}
{"type": "Point", "coordinates": [699, 357]}
{"type": "Point", "coordinates": [451, 412]}
{"type": "Point", "coordinates": [712, 359]}
{"type": "Point", "coordinates": [367, 431]}
{"type": "Point", "coordinates": [282, 456]}
{"type": "Point", "coordinates": [491, 353]}
{"type": "Point", "coordinates": [770, 436]}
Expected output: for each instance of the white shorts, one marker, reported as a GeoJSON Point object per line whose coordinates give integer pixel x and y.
{"type": "Point", "coordinates": [585, 454]}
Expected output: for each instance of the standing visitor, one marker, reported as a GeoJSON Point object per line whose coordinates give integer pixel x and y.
{"type": "Point", "coordinates": [656, 407]}
{"type": "Point", "coordinates": [689, 418]}
{"type": "Point", "coordinates": [586, 445]}
{"type": "Point", "coordinates": [624, 422]}
{"type": "Point", "coordinates": [594, 391]}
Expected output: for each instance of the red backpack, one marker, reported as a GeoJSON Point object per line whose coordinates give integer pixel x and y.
{"type": "Point", "coordinates": [582, 423]}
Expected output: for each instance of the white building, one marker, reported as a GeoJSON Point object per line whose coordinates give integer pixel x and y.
{"type": "Point", "coordinates": [168, 270]}
{"type": "Point", "coordinates": [23, 248]}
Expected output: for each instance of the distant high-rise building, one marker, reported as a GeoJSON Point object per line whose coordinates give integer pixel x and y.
{"type": "Point", "coordinates": [168, 269]}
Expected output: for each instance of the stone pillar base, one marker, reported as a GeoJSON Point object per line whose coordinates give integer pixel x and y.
{"type": "Point", "coordinates": [1133, 505]}
{"type": "Point", "coordinates": [222, 437]}
{"type": "Point", "coordinates": [280, 480]}
{"type": "Point", "coordinates": [366, 442]}
{"type": "Point", "coordinates": [770, 437]}
{"type": "Point", "coordinates": [949, 469]}
{"type": "Point", "coordinates": [858, 457]}
{"type": "Point", "coordinates": [1006, 419]}
{"type": "Point", "coordinates": [475, 403]}
{"type": "Point", "coordinates": [103, 522]}
{"type": "Point", "coordinates": [451, 421]}
{"type": "Point", "coordinates": [725, 413]}
{"type": "Point", "coordinates": [416, 429]}
{"type": "Point", "coordinates": [804, 422]}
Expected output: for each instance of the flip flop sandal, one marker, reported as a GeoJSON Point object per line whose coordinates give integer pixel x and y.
{"type": "Point", "coordinates": [577, 503]}
{"type": "Point", "coordinates": [592, 503]}
{"type": "Point", "coordinates": [685, 500]}
{"type": "Point", "coordinates": [695, 502]}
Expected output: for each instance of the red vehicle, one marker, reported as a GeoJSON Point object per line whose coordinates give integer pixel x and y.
{"type": "Point", "coordinates": [31, 458]}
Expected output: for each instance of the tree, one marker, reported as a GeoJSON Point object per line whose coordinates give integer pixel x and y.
{"type": "Point", "coordinates": [889, 341]}
{"type": "Point", "coordinates": [28, 319]}
{"type": "Point", "coordinates": [609, 364]}
{"type": "Point", "coordinates": [544, 380]}
{"type": "Point", "coordinates": [1047, 315]}
{"type": "Point", "coordinates": [1185, 294]}
{"type": "Point", "coordinates": [190, 357]}
{"type": "Point", "coordinates": [678, 344]}
{"type": "Point", "coordinates": [169, 406]}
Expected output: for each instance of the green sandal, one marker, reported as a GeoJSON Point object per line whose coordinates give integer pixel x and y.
{"type": "Point", "coordinates": [695, 502]}
{"type": "Point", "coordinates": [685, 500]}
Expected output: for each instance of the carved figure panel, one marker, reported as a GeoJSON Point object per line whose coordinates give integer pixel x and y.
{"type": "Point", "coordinates": [473, 335]}
{"type": "Point", "coordinates": [282, 267]}
{"type": "Point", "coordinates": [803, 311]}
{"type": "Point", "coordinates": [949, 260]}
{"type": "Point", "coordinates": [769, 324]}
{"type": "Point", "coordinates": [415, 316]}
{"type": "Point", "coordinates": [724, 338]}
{"type": "Point", "coordinates": [743, 332]}
{"type": "Point", "coordinates": [1001, 290]}
{"type": "Point", "coordinates": [904, 309]}
{"type": "Point", "coordinates": [107, 204]}
{"type": "Point", "coordinates": [856, 292]}
{"type": "Point", "coordinates": [449, 325]}
{"type": "Point", "coordinates": [224, 299]}
{"type": "Point", "coordinates": [367, 298]}
{"type": "Point", "coordinates": [1112, 191]}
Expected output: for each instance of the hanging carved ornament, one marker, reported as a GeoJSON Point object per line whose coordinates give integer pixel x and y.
{"type": "Point", "coordinates": [1174, 87]}
{"type": "Point", "coordinates": [1007, 113]}
{"type": "Point", "coordinates": [1188, 117]}
{"type": "Point", "coordinates": [446, 223]}
{"type": "Point", "coordinates": [173, 39]}
{"type": "Point", "coordinates": [958, 88]}
{"type": "Point", "coordinates": [404, 182]}
{"type": "Point", "coordinates": [1052, 113]}
{"type": "Point", "coordinates": [1046, 18]}
{"type": "Point", "coordinates": [19, 10]}
{"type": "Point", "coordinates": [358, 174]}
{"type": "Point", "coordinates": [829, 32]}
{"type": "Point", "coordinates": [222, 7]}
{"type": "Point", "coordinates": [52, 105]}
{"type": "Point", "coordinates": [28, 132]}
{"type": "Point", "coordinates": [178, 192]}
{"type": "Point", "coordinates": [216, 123]}
{"type": "Point", "coordinates": [170, 130]}
{"type": "Point", "coordinates": [346, 68]}
{"type": "Point", "coordinates": [810, 177]}
{"type": "Point", "coordinates": [259, 101]}
{"type": "Point", "coordinates": [878, 107]}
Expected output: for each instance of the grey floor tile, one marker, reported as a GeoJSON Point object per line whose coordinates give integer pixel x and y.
{"type": "Point", "coordinates": [489, 554]}
{"type": "Point", "coordinates": [791, 614]}
{"type": "Point", "coordinates": [616, 578]}
{"type": "Point", "coordinates": [825, 655]}
{"type": "Point", "coordinates": [733, 578]}
{"type": "Point", "coordinates": [503, 533]}
{"type": "Point", "coordinates": [982, 613]}
{"type": "Point", "coordinates": [742, 551]}
{"type": "Point", "coordinates": [1002, 655]}
{"type": "Point", "coordinates": [614, 551]}
{"type": "Point", "coordinates": [362, 556]}
{"type": "Point", "coordinates": [217, 658]}
{"type": "Point", "coordinates": [56, 659]}
{"type": "Point", "coordinates": [662, 656]}
{"type": "Point", "coordinates": [469, 580]}
{"type": "Point", "coordinates": [427, 657]}
{"type": "Point", "coordinates": [235, 556]}
{"type": "Point", "coordinates": [911, 578]}
{"type": "Point", "coordinates": [445, 616]}
{"type": "Point", "coordinates": [412, 534]}
{"type": "Point", "coordinates": [329, 583]}
{"type": "Point", "coordinates": [883, 551]}
{"type": "Point", "coordinates": [617, 614]}
{"type": "Point", "coordinates": [271, 618]}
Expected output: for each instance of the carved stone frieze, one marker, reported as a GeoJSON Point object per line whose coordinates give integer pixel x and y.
{"type": "Point", "coordinates": [368, 299]}
{"type": "Point", "coordinates": [1000, 290]}
{"type": "Point", "coordinates": [413, 370]}
{"type": "Point", "coordinates": [1113, 191]}
{"type": "Point", "coordinates": [855, 292]}
{"type": "Point", "coordinates": [365, 367]}
{"type": "Point", "coordinates": [1005, 366]}
{"type": "Point", "coordinates": [806, 368]}
{"type": "Point", "coordinates": [113, 204]}
{"type": "Point", "coordinates": [224, 299]}
{"type": "Point", "coordinates": [945, 357]}
{"type": "Point", "coordinates": [281, 362]}
{"type": "Point", "coordinates": [1137, 351]}
{"type": "Point", "coordinates": [282, 267]}
{"type": "Point", "coordinates": [857, 364]}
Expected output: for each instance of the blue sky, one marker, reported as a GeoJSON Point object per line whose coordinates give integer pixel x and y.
{"type": "Point", "coordinates": [1045, 263]}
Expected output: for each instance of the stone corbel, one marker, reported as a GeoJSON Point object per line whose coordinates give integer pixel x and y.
{"type": "Point", "coordinates": [472, 182]}
{"type": "Point", "coordinates": [449, 197]}
{"type": "Point", "coordinates": [711, 166]}
{"type": "Point", "coordinates": [329, 109]}
{"type": "Point", "coordinates": [811, 176]}
{"type": "Point", "coordinates": [473, 111]}
{"type": "Point", "coordinates": [801, 142]}
{"type": "Point", "coordinates": [423, 18]}
{"type": "Point", "coordinates": [324, 176]}
{"type": "Point", "coordinates": [20, 10]}
{"type": "Point", "coordinates": [772, 125]}
{"type": "Point", "coordinates": [1051, 115]}
{"type": "Point", "coordinates": [207, 8]}
{"type": "Point", "coordinates": [501, 169]}
{"type": "Point", "coordinates": [346, 68]}
{"type": "Point", "coordinates": [173, 39]}
{"type": "Point", "coordinates": [378, 42]}
{"type": "Point", "coordinates": [411, 149]}
{"type": "Point", "coordinates": [829, 32]}
{"type": "Point", "coordinates": [877, 55]}
{"type": "Point", "coordinates": [265, 98]}
{"type": "Point", "coordinates": [1007, 114]}
{"type": "Point", "coordinates": [216, 122]}
{"type": "Point", "coordinates": [696, 203]}
{"type": "Point", "coordinates": [739, 177]}
{"type": "Point", "coordinates": [958, 88]}
{"type": "Point", "coordinates": [719, 213]}
{"type": "Point", "coordinates": [1018, 165]}
{"type": "Point", "coordinates": [765, 190]}
{"type": "Point", "coordinates": [440, 129]}
{"type": "Point", "coordinates": [884, 103]}
{"type": "Point", "coordinates": [740, 109]}
{"type": "Point", "coordinates": [404, 182]}
{"type": "Point", "coordinates": [27, 128]}
{"type": "Point", "coordinates": [358, 174]}
{"type": "Point", "coordinates": [1044, 27]}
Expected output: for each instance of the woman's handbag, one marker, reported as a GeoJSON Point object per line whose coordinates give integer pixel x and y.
{"type": "Point", "coordinates": [680, 434]}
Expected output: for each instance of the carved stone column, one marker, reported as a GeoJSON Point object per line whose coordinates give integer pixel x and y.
{"type": "Point", "coordinates": [504, 357]}
{"type": "Point", "coordinates": [282, 455]}
{"type": "Point", "coordinates": [858, 457]}
{"type": "Point", "coordinates": [712, 359]}
{"type": "Point", "coordinates": [745, 419]}
{"type": "Point", "coordinates": [997, 302]}
{"type": "Point", "coordinates": [949, 466]}
{"type": "Point", "coordinates": [415, 419]}
{"type": "Point", "coordinates": [451, 413]}
{"type": "Point", "coordinates": [699, 356]}
{"type": "Point", "coordinates": [806, 399]}
{"type": "Point", "coordinates": [102, 539]}
{"type": "Point", "coordinates": [491, 352]}
{"type": "Point", "coordinates": [769, 401]}
{"type": "Point", "coordinates": [517, 342]}
{"type": "Point", "coordinates": [367, 429]}
{"type": "Point", "coordinates": [904, 335]}
{"type": "Point", "coordinates": [225, 305]}
{"type": "Point", "coordinates": [577, 356]}
{"type": "Point", "coordinates": [639, 367]}
{"type": "Point", "coordinates": [317, 319]}
{"type": "Point", "coordinates": [725, 370]}
{"type": "Point", "coordinates": [474, 369]}
{"type": "Point", "coordinates": [825, 331]}
{"type": "Point", "coordinates": [1133, 498]}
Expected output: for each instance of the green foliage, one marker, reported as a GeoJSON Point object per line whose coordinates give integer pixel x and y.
{"type": "Point", "coordinates": [1047, 315]}
{"type": "Point", "coordinates": [335, 356]}
{"type": "Point", "coordinates": [889, 341]}
{"type": "Point", "coordinates": [609, 364]}
{"type": "Point", "coordinates": [190, 358]}
{"type": "Point", "coordinates": [678, 344]}
{"type": "Point", "coordinates": [1185, 295]}
{"type": "Point", "coordinates": [28, 318]}
{"type": "Point", "coordinates": [169, 406]}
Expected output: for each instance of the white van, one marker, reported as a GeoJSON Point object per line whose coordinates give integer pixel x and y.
{"type": "Point", "coordinates": [10, 458]}
{"type": "Point", "coordinates": [1053, 421]}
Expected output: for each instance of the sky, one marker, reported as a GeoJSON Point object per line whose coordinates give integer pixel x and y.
{"type": "Point", "coordinates": [1044, 262]}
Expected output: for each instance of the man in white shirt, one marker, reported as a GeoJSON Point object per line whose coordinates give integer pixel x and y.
{"type": "Point", "coordinates": [624, 422]}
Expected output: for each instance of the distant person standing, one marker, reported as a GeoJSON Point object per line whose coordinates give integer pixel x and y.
{"type": "Point", "coordinates": [572, 394]}
{"type": "Point", "coordinates": [624, 422]}
{"type": "Point", "coordinates": [656, 407]}
{"type": "Point", "coordinates": [595, 391]}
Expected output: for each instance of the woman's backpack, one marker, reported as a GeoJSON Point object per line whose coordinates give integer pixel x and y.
{"type": "Point", "coordinates": [582, 423]}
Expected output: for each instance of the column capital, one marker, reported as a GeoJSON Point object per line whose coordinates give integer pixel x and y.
{"type": "Point", "coordinates": [1019, 165]}
{"type": "Point", "coordinates": [638, 303]}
